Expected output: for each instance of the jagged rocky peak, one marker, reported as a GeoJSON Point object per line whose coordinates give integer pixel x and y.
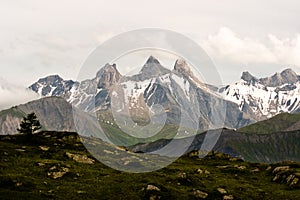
{"type": "Point", "coordinates": [151, 69]}
{"type": "Point", "coordinates": [287, 76]}
{"type": "Point", "coordinates": [182, 68]}
{"type": "Point", "coordinates": [52, 85]}
{"type": "Point", "coordinates": [52, 79]}
{"type": "Point", "coordinates": [108, 76]}
{"type": "Point", "coordinates": [152, 64]}
{"type": "Point", "coordinates": [152, 59]}
{"type": "Point", "coordinates": [246, 76]}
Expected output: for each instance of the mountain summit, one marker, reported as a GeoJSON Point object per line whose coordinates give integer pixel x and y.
{"type": "Point", "coordinates": [151, 69]}
{"type": "Point", "coordinates": [53, 85]}
{"type": "Point", "coordinates": [108, 76]}
{"type": "Point", "coordinates": [152, 59]}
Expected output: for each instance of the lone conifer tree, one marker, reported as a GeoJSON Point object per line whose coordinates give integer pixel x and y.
{"type": "Point", "coordinates": [29, 125]}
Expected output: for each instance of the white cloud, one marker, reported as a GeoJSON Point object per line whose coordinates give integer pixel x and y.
{"type": "Point", "coordinates": [12, 95]}
{"type": "Point", "coordinates": [228, 46]}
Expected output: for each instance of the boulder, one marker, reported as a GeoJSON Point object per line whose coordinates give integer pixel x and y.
{"type": "Point", "coordinates": [152, 188]}
{"type": "Point", "coordinates": [199, 194]}
{"type": "Point", "coordinates": [80, 158]}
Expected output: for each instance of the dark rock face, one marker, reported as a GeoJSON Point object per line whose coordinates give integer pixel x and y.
{"type": "Point", "coordinates": [287, 76]}
{"type": "Point", "coordinates": [246, 76]}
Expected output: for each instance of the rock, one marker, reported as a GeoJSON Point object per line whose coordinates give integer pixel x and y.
{"type": "Point", "coordinates": [59, 174]}
{"type": "Point", "coordinates": [152, 188]}
{"type": "Point", "coordinates": [80, 158]}
{"type": "Point", "coordinates": [268, 168]}
{"type": "Point", "coordinates": [52, 168]}
{"type": "Point", "coordinates": [203, 171]}
{"type": "Point", "coordinates": [222, 191]}
{"type": "Point", "coordinates": [41, 164]}
{"type": "Point", "coordinates": [199, 194]}
{"type": "Point", "coordinates": [182, 175]}
{"type": "Point", "coordinates": [20, 150]}
{"type": "Point", "coordinates": [281, 169]}
{"type": "Point", "coordinates": [294, 182]}
{"type": "Point", "coordinates": [228, 197]}
{"type": "Point", "coordinates": [277, 177]}
{"type": "Point", "coordinates": [18, 184]}
{"type": "Point", "coordinates": [242, 167]}
{"type": "Point", "coordinates": [44, 148]}
{"type": "Point", "coordinates": [206, 172]}
{"type": "Point", "coordinates": [255, 170]}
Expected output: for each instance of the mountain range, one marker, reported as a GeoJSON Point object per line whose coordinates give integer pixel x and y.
{"type": "Point", "coordinates": [180, 92]}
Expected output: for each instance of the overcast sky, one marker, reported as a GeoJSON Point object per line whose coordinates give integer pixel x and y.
{"type": "Point", "coordinates": [40, 38]}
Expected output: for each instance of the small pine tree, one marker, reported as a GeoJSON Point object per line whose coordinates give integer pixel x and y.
{"type": "Point", "coordinates": [29, 125]}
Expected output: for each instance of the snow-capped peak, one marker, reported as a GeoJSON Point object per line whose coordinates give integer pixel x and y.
{"type": "Point", "coordinates": [268, 96]}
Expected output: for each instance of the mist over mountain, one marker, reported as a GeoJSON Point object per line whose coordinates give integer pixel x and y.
{"type": "Point", "coordinates": [12, 94]}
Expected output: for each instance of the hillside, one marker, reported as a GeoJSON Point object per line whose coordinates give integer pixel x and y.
{"type": "Point", "coordinates": [55, 165]}
{"type": "Point", "coordinates": [54, 113]}
{"type": "Point", "coordinates": [281, 122]}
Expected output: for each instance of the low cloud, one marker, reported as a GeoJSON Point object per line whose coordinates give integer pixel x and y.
{"type": "Point", "coordinates": [228, 46]}
{"type": "Point", "coordinates": [12, 95]}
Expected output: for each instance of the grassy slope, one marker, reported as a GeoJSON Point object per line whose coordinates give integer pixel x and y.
{"type": "Point", "coordinates": [278, 123]}
{"type": "Point", "coordinates": [22, 178]}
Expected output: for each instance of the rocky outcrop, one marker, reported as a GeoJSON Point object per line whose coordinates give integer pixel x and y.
{"type": "Point", "coordinates": [285, 174]}
{"type": "Point", "coordinates": [80, 158]}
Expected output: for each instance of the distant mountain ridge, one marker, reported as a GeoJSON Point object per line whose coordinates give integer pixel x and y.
{"type": "Point", "coordinates": [270, 141]}
{"type": "Point", "coordinates": [54, 113]}
{"type": "Point", "coordinates": [265, 97]}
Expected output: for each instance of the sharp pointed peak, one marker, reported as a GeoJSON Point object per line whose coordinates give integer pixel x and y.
{"type": "Point", "coordinates": [152, 59]}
